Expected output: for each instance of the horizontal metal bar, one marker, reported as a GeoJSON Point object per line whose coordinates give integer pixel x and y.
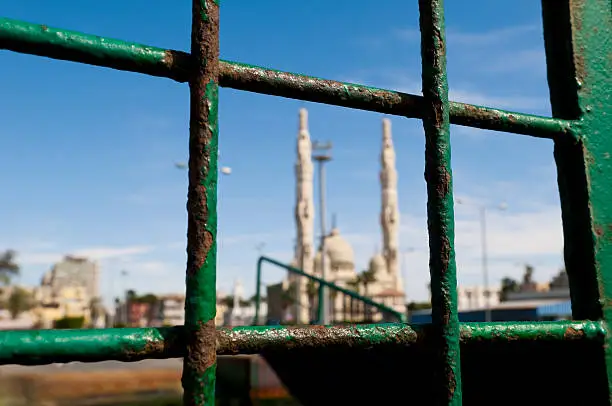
{"type": "Point", "coordinates": [277, 83]}
{"type": "Point", "coordinates": [38, 347]}
{"type": "Point", "coordinates": [73, 46]}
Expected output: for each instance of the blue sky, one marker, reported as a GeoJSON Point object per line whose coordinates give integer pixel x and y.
{"type": "Point", "coordinates": [88, 152]}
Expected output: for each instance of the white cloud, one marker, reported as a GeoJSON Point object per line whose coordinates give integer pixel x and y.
{"type": "Point", "coordinates": [490, 37]}
{"type": "Point", "coordinates": [471, 39]}
{"type": "Point", "coordinates": [532, 60]}
{"type": "Point", "coordinates": [94, 253]}
{"type": "Point", "coordinates": [501, 102]}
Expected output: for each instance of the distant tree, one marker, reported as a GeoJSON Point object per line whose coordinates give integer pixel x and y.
{"type": "Point", "coordinates": [288, 296]}
{"type": "Point", "coordinates": [560, 281]}
{"type": "Point", "coordinates": [367, 277]}
{"type": "Point", "coordinates": [262, 298]}
{"type": "Point", "coordinates": [148, 298]}
{"type": "Point", "coordinates": [8, 267]}
{"type": "Point", "coordinates": [19, 301]}
{"type": "Point", "coordinates": [508, 285]}
{"type": "Point", "coordinates": [95, 309]}
{"type": "Point", "coordinates": [528, 284]}
{"type": "Point", "coordinates": [228, 301]}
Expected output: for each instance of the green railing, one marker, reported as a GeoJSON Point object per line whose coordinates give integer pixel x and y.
{"type": "Point", "coordinates": [578, 49]}
{"type": "Point", "coordinates": [387, 312]}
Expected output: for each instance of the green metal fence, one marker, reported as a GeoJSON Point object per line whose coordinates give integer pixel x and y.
{"type": "Point", "coordinates": [366, 306]}
{"type": "Point", "coordinates": [578, 52]}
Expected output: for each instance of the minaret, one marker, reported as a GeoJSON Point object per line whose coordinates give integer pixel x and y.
{"type": "Point", "coordinates": [389, 216]}
{"type": "Point", "coordinates": [304, 214]}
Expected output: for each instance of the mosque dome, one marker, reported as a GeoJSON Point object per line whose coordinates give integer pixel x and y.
{"type": "Point", "coordinates": [378, 265]}
{"type": "Point", "coordinates": [339, 252]}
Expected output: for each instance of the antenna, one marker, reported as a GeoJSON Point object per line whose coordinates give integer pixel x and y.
{"type": "Point", "coordinates": [334, 223]}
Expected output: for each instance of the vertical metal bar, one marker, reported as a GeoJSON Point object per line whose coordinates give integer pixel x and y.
{"type": "Point", "coordinates": [323, 298]}
{"type": "Point", "coordinates": [258, 290]}
{"type": "Point", "coordinates": [578, 49]}
{"type": "Point", "coordinates": [440, 219]}
{"type": "Point", "coordinates": [199, 367]}
{"type": "Point", "coordinates": [566, 68]}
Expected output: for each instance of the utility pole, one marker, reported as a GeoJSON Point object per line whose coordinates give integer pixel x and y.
{"type": "Point", "coordinates": [484, 256]}
{"type": "Point", "coordinates": [322, 154]}
{"type": "Point", "coordinates": [485, 266]}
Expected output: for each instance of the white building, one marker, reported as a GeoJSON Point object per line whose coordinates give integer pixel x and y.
{"type": "Point", "coordinates": [172, 308]}
{"type": "Point", "coordinates": [475, 297]}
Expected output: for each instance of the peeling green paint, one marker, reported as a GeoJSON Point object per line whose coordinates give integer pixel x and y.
{"type": "Point", "coordinates": [581, 91]}
{"type": "Point", "coordinates": [440, 219]}
{"type": "Point", "coordinates": [592, 50]}
{"type": "Point", "coordinates": [37, 347]}
{"type": "Point", "coordinates": [200, 358]}
{"type": "Point", "coordinates": [578, 49]}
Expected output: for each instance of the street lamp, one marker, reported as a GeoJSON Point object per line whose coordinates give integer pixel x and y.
{"type": "Point", "coordinates": [483, 236]}
{"type": "Point", "coordinates": [260, 248]}
{"type": "Point", "coordinates": [322, 155]}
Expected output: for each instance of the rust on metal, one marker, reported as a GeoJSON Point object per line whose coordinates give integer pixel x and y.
{"type": "Point", "coordinates": [199, 366]}
{"type": "Point", "coordinates": [291, 85]}
{"type": "Point", "coordinates": [440, 220]}
{"type": "Point", "coordinates": [203, 359]}
{"type": "Point", "coordinates": [573, 334]}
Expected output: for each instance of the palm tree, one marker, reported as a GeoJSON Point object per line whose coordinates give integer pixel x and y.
{"type": "Point", "coordinates": [355, 284]}
{"type": "Point", "coordinates": [312, 290]}
{"type": "Point", "coordinates": [8, 267]}
{"type": "Point", "coordinates": [288, 296]}
{"type": "Point", "coordinates": [333, 294]}
{"type": "Point", "coordinates": [368, 276]}
{"type": "Point", "coordinates": [19, 302]}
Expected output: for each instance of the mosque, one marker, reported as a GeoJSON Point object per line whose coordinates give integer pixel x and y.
{"type": "Point", "coordinates": [385, 283]}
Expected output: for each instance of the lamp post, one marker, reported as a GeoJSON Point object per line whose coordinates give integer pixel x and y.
{"type": "Point", "coordinates": [484, 258]}
{"type": "Point", "coordinates": [322, 155]}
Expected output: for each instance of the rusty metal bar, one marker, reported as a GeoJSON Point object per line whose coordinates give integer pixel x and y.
{"type": "Point", "coordinates": [278, 83]}
{"type": "Point", "coordinates": [440, 219]}
{"type": "Point", "coordinates": [73, 46]}
{"type": "Point", "coordinates": [199, 367]}
{"type": "Point", "coordinates": [39, 347]}
{"type": "Point", "coordinates": [578, 49]}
